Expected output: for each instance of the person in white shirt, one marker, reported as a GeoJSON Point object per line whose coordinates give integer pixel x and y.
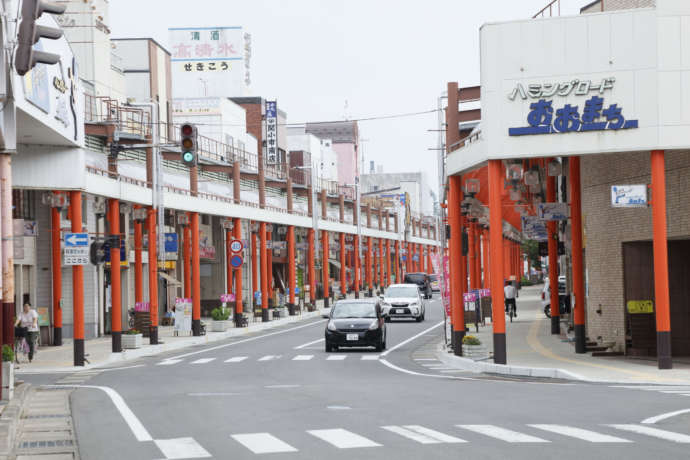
{"type": "Point", "coordinates": [28, 319]}
{"type": "Point", "coordinates": [509, 293]}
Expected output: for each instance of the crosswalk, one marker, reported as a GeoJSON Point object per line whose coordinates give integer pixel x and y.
{"type": "Point", "coordinates": [680, 390]}
{"type": "Point", "coordinates": [341, 438]}
{"type": "Point", "coordinates": [267, 358]}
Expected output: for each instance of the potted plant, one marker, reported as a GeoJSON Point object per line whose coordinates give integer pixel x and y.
{"type": "Point", "coordinates": [472, 348]}
{"type": "Point", "coordinates": [220, 317]}
{"type": "Point", "coordinates": [132, 338]}
{"type": "Point", "coordinates": [7, 372]}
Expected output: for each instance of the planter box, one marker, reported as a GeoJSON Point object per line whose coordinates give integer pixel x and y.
{"type": "Point", "coordinates": [280, 312]}
{"type": "Point", "coordinates": [220, 326]}
{"type": "Point", "coordinates": [475, 352]}
{"type": "Point", "coordinates": [132, 340]}
{"type": "Point", "coordinates": [7, 380]}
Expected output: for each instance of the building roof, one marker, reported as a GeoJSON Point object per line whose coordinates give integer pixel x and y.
{"type": "Point", "coordinates": [338, 131]}
{"type": "Point", "coordinates": [143, 38]}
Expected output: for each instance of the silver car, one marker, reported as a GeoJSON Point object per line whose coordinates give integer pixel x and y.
{"type": "Point", "coordinates": [403, 301]}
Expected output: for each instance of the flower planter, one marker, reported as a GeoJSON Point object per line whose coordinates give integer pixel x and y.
{"type": "Point", "coordinates": [475, 352]}
{"type": "Point", "coordinates": [220, 326]}
{"type": "Point", "coordinates": [132, 340]}
{"type": "Point", "coordinates": [7, 380]}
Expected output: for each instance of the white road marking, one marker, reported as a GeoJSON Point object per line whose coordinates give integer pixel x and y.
{"type": "Point", "coordinates": [437, 376]}
{"type": "Point", "coordinates": [302, 357]}
{"type": "Point", "coordinates": [660, 417]}
{"type": "Point", "coordinates": [579, 433]}
{"type": "Point", "coordinates": [263, 443]}
{"type": "Point", "coordinates": [282, 386]}
{"type": "Point", "coordinates": [169, 362]}
{"type": "Point", "coordinates": [370, 357]}
{"type": "Point", "coordinates": [269, 357]}
{"type": "Point", "coordinates": [655, 432]}
{"type": "Point", "coordinates": [132, 421]}
{"type": "Point", "coordinates": [423, 435]}
{"type": "Point", "coordinates": [405, 342]}
{"type": "Point", "coordinates": [675, 392]}
{"type": "Point", "coordinates": [336, 357]}
{"type": "Point", "coordinates": [452, 371]}
{"type": "Point", "coordinates": [338, 407]}
{"type": "Point", "coordinates": [501, 433]}
{"type": "Point", "coordinates": [304, 345]}
{"type": "Point", "coordinates": [203, 361]}
{"type": "Point", "coordinates": [235, 359]}
{"type": "Point", "coordinates": [426, 359]}
{"type": "Point", "coordinates": [343, 439]}
{"type": "Point", "coordinates": [181, 448]}
{"type": "Point", "coordinates": [250, 339]}
{"type": "Point", "coordinates": [119, 368]}
{"type": "Point", "coordinates": [213, 394]}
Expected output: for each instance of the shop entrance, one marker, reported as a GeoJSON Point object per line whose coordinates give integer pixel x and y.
{"type": "Point", "coordinates": [638, 265]}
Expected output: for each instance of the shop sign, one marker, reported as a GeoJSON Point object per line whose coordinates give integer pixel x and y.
{"type": "Point", "coordinates": [629, 196]}
{"type": "Point", "coordinates": [207, 252]}
{"type": "Point", "coordinates": [43, 316]}
{"type": "Point", "coordinates": [445, 284]}
{"type": "Point", "coordinates": [183, 315]}
{"type": "Point", "coordinates": [470, 296]}
{"type": "Point", "coordinates": [484, 292]}
{"type": "Point", "coordinates": [640, 306]}
{"type": "Point", "coordinates": [142, 306]}
{"type": "Point", "coordinates": [594, 117]}
{"type": "Point", "coordinates": [563, 89]}
{"type": "Point", "coordinates": [271, 132]}
{"type": "Point", "coordinates": [227, 298]}
{"type": "Point", "coordinates": [171, 242]}
{"type": "Point", "coordinates": [552, 211]}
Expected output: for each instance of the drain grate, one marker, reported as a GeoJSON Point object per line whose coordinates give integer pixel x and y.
{"type": "Point", "coordinates": [46, 444]}
{"type": "Point", "coordinates": [46, 416]}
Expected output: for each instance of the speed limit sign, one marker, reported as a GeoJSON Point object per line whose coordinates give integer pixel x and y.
{"type": "Point", "coordinates": [236, 246]}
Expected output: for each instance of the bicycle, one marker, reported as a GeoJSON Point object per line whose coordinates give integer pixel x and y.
{"type": "Point", "coordinates": [512, 312]}
{"type": "Point", "coordinates": [21, 346]}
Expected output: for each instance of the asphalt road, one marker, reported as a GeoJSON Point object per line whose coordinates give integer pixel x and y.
{"type": "Point", "coordinates": [281, 396]}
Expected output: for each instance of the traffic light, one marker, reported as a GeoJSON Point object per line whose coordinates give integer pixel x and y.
{"type": "Point", "coordinates": [30, 33]}
{"type": "Point", "coordinates": [188, 134]}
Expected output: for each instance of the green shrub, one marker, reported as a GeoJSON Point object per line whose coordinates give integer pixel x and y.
{"type": "Point", "coordinates": [132, 332]}
{"type": "Point", "coordinates": [471, 340]}
{"type": "Point", "coordinates": [526, 282]}
{"type": "Point", "coordinates": [7, 354]}
{"type": "Point", "coordinates": [220, 314]}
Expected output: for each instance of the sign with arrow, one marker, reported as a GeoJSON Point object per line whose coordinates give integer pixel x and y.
{"type": "Point", "coordinates": [76, 250]}
{"type": "Point", "coordinates": [74, 240]}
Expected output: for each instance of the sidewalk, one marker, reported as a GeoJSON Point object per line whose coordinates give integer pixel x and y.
{"type": "Point", "coordinates": [98, 350]}
{"type": "Point", "coordinates": [533, 351]}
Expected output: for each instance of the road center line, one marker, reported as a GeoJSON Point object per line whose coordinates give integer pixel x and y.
{"type": "Point", "coordinates": [304, 345]}
{"type": "Point", "coordinates": [250, 339]}
{"type": "Point", "coordinates": [405, 342]}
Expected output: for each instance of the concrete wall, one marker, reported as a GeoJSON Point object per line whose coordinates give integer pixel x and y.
{"type": "Point", "coordinates": [606, 229]}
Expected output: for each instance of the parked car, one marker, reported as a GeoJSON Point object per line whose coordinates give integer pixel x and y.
{"type": "Point", "coordinates": [435, 283]}
{"type": "Point", "coordinates": [403, 301]}
{"type": "Point", "coordinates": [422, 281]}
{"type": "Point", "coordinates": [356, 323]}
{"type": "Point", "coordinates": [546, 295]}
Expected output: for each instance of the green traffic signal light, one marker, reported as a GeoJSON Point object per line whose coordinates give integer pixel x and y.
{"type": "Point", "coordinates": [188, 157]}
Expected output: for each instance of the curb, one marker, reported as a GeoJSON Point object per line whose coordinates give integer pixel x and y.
{"type": "Point", "coordinates": [152, 350]}
{"type": "Point", "coordinates": [540, 372]}
{"type": "Point", "coordinates": [503, 369]}
{"type": "Point", "coordinates": [9, 419]}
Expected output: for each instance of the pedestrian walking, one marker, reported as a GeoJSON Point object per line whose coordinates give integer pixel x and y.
{"type": "Point", "coordinates": [509, 293]}
{"type": "Point", "coordinates": [28, 320]}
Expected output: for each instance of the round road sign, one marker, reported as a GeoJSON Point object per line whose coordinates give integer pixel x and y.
{"type": "Point", "coordinates": [236, 246]}
{"type": "Point", "coordinates": [236, 261]}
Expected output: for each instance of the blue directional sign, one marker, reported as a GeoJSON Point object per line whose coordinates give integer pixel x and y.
{"type": "Point", "coordinates": [171, 242]}
{"type": "Point", "coordinates": [74, 240]}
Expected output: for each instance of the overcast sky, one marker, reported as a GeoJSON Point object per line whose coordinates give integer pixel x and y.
{"type": "Point", "coordinates": [381, 56]}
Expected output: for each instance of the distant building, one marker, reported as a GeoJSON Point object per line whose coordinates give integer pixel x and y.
{"type": "Point", "coordinates": [344, 136]}
{"type": "Point", "coordinates": [413, 183]}
{"type": "Point", "coordinates": [319, 152]}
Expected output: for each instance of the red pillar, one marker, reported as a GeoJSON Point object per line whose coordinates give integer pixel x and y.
{"type": "Point", "coordinates": [496, 255]}
{"type": "Point", "coordinates": [269, 267]}
{"type": "Point", "coordinates": [382, 277]}
{"type": "Point", "coordinates": [77, 284]}
{"type": "Point", "coordinates": [660, 248]}
{"type": "Point", "coordinates": [311, 265]}
{"type": "Point", "coordinates": [138, 260]}
{"type": "Point", "coordinates": [455, 261]}
{"type": "Point", "coordinates": [239, 307]}
{"type": "Point", "coordinates": [115, 282]}
{"type": "Point", "coordinates": [551, 228]}
{"type": "Point", "coordinates": [471, 255]}
{"type": "Point", "coordinates": [397, 262]}
{"type": "Point", "coordinates": [324, 268]}
{"type": "Point", "coordinates": [578, 265]}
{"type": "Point", "coordinates": [196, 276]}
{"type": "Point", "coordinates": [291, 264]}
{"type": "Point", "coordinates": [228, 268]}
{"type": "Point", "coordinates": [187, 256]}
{"type": "Point", "coordinates": [485, 259]}
{"type": "Point", "coordinates": [343, 266]}
{"type": "Point", "coordinates": [264, 272]}
{"type": "Point", "coordinates": [369, 261]}
{"type": "Point", "coordinates": [153, 277]}
{"type": "Point", "coordinates": [357, 265]}
{"type": "Point", "coordinates": [388, 263]}
{"type": "Point", "coordinates": [56, 269]}
{"type": "Point", "coordinates": [255, 263]}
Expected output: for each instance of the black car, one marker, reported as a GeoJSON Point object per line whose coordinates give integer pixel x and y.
{"type": "Point", "coordinates": [422, 281]}
{"type": "Point", "coordinates": [356, 323]}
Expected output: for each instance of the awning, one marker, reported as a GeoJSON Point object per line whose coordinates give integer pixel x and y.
{"type": "Point", "coordinates": [172, 281]}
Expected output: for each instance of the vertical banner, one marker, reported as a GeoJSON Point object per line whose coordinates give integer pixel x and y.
{"type": "Point", "coordinates": [445, 288]}
{"type": "Point", "coordinates": [271, 132]}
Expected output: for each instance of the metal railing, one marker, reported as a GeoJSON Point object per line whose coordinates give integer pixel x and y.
{"type": "Point", "coordinates": [549, 9]}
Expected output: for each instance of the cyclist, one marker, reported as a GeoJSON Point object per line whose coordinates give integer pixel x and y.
{"type": "Point", "coordinates": [28, 319]}
{"type": "Point", "coordinates": [509, 292]}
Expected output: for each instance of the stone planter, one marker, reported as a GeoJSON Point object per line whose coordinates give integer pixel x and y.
{"type": "Point", "coordinates": [475, 352]}
{"type": "Point", "coordinates": [7, 380]}
{"type": "Point", "coordinates": [280, 312]}
{"type": "Point", "coordinates": [220, 326]}
{"type": "Point", "coordinates": [132, 340]}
